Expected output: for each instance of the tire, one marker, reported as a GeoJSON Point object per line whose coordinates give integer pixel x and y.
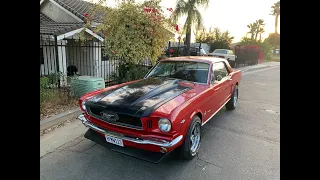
{"type": "Point", "coordinates": [232, 63]}
{"type": "Point", "coordinates": [232, 104]}
{"type": "Point", "coordinates": [187, 151]}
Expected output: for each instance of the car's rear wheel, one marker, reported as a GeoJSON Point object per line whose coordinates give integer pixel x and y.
{"type": "Point", "coordinates": [191, 144]}
{"type": "Point", "coordinates": [232, 104]}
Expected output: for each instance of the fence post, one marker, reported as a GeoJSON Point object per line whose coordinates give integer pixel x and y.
{"type": "Point", "coordinates": [169, 46]}
{"type": "Point", "coordinates": [57, 57]}
{"type": "Point", "coordinates": [179, 48]}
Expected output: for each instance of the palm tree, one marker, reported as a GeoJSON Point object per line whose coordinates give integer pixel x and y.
{"type": "Point", "coordinates": [275, 11]}
{"type": "Point", "coordinates": [194, 17]}
{"type": "Point", "coordinates": [252, 29]}
{"type": "Point", "coordinates": [261, 31]}
{"type": "Point", "coordinates": [260, 24]}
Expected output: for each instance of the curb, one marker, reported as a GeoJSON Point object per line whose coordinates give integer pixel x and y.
{"type": "Point", "coordinates": [253, 69]}
{"type": "Point", "coordinates": [56, 119]}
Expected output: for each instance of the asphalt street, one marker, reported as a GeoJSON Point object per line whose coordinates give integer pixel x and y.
{"type": "Point", "coordinates": [235, 145]}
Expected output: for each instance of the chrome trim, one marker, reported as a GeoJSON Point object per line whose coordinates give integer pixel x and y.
{"type": "Point", "coordinates": [216, 112]}
{"type": "Point", "coordinates": [164, 143]}
{"type": "Point", "coordinates": [115, 124]}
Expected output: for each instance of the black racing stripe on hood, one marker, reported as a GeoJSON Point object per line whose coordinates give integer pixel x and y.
{"type": "Point", "coordinates": [139, 99]}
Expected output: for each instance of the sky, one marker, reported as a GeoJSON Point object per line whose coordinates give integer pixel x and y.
{"type": "Point", "coordinates": [231, 15]}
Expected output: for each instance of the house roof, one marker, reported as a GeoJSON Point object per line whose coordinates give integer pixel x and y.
{"type": "Point", "coordinates": [50, 27]}
{"type": "Point", "coordinates": [79, 8]}
{"type": "Point", "coordinates": [56, 28]}
{"type": "Point", "coordinates": [45, 18]}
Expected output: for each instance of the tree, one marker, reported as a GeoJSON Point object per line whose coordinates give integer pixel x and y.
{"type": "Point", "coordinates": [274, 39]}
{"type": "Point", "coordinates": [133, 32]}
{"type": "Point", "coordinates": [256, 28]}
{"type": "Point", "coordinates": [215, 37]}
{"type": "Point", "coordinates": [260, 28]}
{"type": "Point", "coordinates": [275, 11]}
{"type": "Point", "coordinates": [252, 29]}
{"type": "Point", "coordinates": [261, 31]}
{"type": "Point", "coordinates": [194, 17]}
{"type": "Point", "coordinates": [204, 36]}
{"type": "Point", "coordinates": [222, 40]}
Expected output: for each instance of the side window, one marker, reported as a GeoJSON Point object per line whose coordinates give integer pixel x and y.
{"type": "Point", "coordinates": [220, 71]}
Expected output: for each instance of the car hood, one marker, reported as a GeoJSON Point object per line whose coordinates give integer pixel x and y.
{"type": "Point", "coordinates": [139, 98]}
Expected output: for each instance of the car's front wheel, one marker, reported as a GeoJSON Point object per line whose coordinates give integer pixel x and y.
{"type": "Point", "coordinates": [191, 144]}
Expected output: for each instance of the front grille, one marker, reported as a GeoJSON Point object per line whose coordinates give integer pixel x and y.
{"type": "Point", "coordinates": [123, 120]}
{"type": "Point", "coordinates": [149, 124]}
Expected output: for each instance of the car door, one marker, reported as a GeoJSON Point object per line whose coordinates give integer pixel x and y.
{"type": "Point", "coordinates": [209, 107]}
{"type": "Point", "coordinates": [222, 84]}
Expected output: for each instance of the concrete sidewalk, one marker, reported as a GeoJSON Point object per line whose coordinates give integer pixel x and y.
{"type": "Point", "coordinates": [258, 66]}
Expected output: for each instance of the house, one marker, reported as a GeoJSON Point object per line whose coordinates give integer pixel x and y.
{"type": "Point", "coordinates": [61, 50]}
{"type": "Point", "coordinates": [61, 22]}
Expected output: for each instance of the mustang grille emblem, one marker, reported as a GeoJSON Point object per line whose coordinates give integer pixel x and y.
{"type": "Point", "coordinates": [110, 116]}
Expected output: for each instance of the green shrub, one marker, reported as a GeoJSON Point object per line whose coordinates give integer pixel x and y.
{"type": "Point", "coordinates": [129, 71]}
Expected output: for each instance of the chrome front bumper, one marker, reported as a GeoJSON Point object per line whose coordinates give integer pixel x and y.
{"type": "Point", "coordinates": [161, 143]}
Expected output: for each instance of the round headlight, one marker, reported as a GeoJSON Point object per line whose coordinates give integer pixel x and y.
{"type": "Point", "coordinates": [164, 125]}
{"type": "Point", "coordinates": [83, 105]}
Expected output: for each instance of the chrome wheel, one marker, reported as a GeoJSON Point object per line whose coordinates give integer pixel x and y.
{"type": "Point", "coordinates": [235, 97]}
{"type": "Point", "coordinates": [195, 138]}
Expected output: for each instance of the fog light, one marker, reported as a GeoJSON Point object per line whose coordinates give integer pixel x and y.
{"type": "Point", "coordinates": [163, 150]}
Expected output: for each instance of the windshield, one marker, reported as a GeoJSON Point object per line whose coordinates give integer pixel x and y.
{"type": "Point", "coordinates": [185, 70]}
{"type": "Point", "coordinates": [220, 51]}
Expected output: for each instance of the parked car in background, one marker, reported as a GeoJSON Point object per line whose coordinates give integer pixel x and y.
{"type": "Point", "coordinates": [225, 54]}
{"type": "Point", "coordinates": [164, 111]}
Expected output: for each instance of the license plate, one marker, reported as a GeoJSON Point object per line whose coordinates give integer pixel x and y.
{"type": "Point", "coordinates": [114, 140]}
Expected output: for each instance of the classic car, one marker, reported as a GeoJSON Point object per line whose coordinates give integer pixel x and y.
{"type": "Point", "coordinates": [226, 54]}
{"type": "Point", "coordinates": [163, 111]}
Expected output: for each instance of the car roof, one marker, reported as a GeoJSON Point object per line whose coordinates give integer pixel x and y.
{"type": "Point", "coordinates": [203, 59]}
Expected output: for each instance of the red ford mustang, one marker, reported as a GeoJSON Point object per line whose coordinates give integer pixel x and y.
{"type": "Point", "coordinates": [164, 111]}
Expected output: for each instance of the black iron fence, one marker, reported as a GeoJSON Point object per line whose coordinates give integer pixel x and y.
{"type": "Point", "coordinates": [74, 57]}
{"type": "Point", "coordinates": [65, 58]}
